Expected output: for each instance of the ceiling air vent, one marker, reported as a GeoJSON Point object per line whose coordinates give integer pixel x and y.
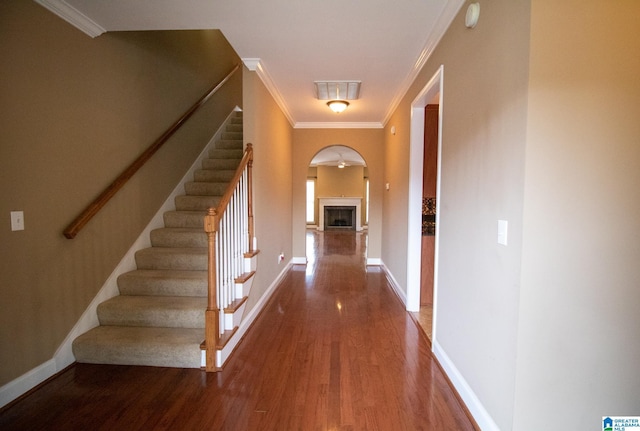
{"type": "Point", "coordinates": [337, 90]}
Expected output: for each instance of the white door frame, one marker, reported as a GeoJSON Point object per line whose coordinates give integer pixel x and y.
{"type": "Point", "coordinates": [416, 171]}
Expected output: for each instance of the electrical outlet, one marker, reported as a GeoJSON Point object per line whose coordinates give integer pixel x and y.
{"type": "Point", "coordinates": [280, 258]}
{"type": "Point", "coordinates": [17, 220]}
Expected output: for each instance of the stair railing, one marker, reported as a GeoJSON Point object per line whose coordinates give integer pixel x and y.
{"type": "Point", "coordinates": [230, 234]}
{"type": "Point", "coordinates": [94, 207]}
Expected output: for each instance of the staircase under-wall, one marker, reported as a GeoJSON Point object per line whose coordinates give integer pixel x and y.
{"type": "Point", "coordinates": [158, 318]}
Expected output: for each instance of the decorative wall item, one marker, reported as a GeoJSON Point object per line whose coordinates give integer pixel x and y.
{"type": "Point", "coordinates": [429, 216]}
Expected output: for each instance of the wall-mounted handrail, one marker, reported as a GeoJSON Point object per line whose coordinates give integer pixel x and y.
{"type": "Point", "coordinates": [229, 229]}
{"type": "Point", "coordinates": [94, 207]}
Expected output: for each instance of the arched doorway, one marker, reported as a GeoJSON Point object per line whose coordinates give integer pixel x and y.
{"type": "Point", "coordinates": [337, 193]}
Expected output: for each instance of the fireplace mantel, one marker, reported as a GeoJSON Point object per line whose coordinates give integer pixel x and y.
{"type": "Point", "coordinates": [340, 201]}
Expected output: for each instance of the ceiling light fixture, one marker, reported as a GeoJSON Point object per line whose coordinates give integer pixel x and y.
{"type": "Point", "coordinates": [337, 106]}
{"type": "Point", "coordinates": [337, 93]}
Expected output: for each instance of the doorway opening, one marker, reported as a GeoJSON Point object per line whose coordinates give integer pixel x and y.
{"type": "Point", "coordinates": [421, 267]}
{"type": "Point", "coordinates": [337, 191]}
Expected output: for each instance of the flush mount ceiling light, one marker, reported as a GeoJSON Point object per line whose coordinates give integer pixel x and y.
{"type": "Point", "coordinates": [337, 93]}
{"type": "Point", "coordinates": [337, 106]}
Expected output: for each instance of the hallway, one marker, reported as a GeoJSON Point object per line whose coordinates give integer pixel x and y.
{"type": "Point", "coordinates": [334, 349]}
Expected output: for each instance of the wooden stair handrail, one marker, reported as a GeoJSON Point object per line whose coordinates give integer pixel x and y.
{"type": "Point", "coordinates": [247, 161]}
{"type": "Point", "coordinates": [72, 230]}
{"type": "Point", "coordinates": [211, 225]}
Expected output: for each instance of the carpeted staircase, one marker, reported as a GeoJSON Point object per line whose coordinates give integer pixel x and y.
{"type": "Point", "coordinates": [158, 319]}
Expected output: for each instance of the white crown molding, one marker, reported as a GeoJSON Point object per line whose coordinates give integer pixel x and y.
{"type": "Point", "coordinates": [439, 29]}
{"type": "Point", "coordinates": [443, 22]}
{"type": "Point", "coordinates": [251, 63]}
{"type": "Point", "coordinates": [73, 17]}
{"type": "Point", "coordinates": [337, 125]}
{"type": "Point", "coordinates": [256, 65]}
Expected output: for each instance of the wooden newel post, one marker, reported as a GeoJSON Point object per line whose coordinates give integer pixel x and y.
{"type": "Point", "coordinates": [212, 314]}
{"type": "Point", "coordinates": [250, 196]}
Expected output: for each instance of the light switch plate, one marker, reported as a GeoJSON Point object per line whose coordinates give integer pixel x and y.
{"type": "Point", "coordinates": [17, 220]}
{"type": "Point", "coordinates": [503, 226]}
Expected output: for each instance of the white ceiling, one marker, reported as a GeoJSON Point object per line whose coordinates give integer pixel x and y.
{"type": "Point", "coordinates": [382, 43]}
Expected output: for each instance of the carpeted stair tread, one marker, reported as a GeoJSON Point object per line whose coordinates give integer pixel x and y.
{"type": "Point", "coordinates": [163, 283]}
{"type": "Point", "coordinates": [158, 319]}
{"type": "Point", "coordinates": [220, 163]}
{"type": "Point", "coordinates": [231, 135]}
{"type": "Point", "coordinates": [122, 345]}
{"type": "Point", "coordinates": [235, 154]}
{"type": "Point", "coordinates": [230, 144]}
{"type": "Point", "coordinates": [158, 311]}
{"type": "Point", "coordinates": [178, 237]}
{"type": "Point", "coordinates": [214, 175]}
{"type": "Point", "coordinates": [184, 258]}
{"type": "Point", "coordinates": [234, 127]}
{"type": "Point", "coordinates": [185, 219]}
{"type": "Point", "coordinates": [202, 188]}
{"type": "Point", "coordinates": [196, 203]}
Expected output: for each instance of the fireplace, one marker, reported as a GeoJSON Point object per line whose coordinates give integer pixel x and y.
{"type": "Point", "coordinates": [344, 213]}
{"type": "Point", "coordinates": [340, 217]}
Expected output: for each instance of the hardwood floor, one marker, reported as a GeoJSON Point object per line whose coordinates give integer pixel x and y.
{"type": "Point", "coordinates": [425, 320]}
{"type": "Point", "coordinates": [333, 350]}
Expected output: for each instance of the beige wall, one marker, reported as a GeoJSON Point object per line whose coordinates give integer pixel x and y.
{"type": "Point", "coordinates": [367, 142]}
{"type": "Point", "coordinates": [540, 128]}
{"type": "Point", "coordinates": [483, 142]}
{"type": "Point", "coordinates": [346, 182]}
{"type": "Point", "coordinates": [578, 337]}
{"type": "Point", "coordinates": [75, 112]}
{"type": "Point", "coordinates": [268, 130]}
{"type": "Point", "coordinates": [333, 181]}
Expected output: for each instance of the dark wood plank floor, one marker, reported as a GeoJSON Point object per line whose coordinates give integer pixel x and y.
{"type": "Point", "coordinates": [333, 350]}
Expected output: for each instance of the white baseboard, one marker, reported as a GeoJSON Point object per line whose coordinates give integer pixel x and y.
{"type": "Point", "coordinates": [26, 382]}
{"type": "Point", "coordinates": [253, 313]}
{"type": "Point", "coordinates": [477, 410]}
{"type": "Point", "coordinates": [394, 283]}
{"type": "Point", "coordinates": [299, 261]}
{"type": "Point", "coordinates": [374, 261]}
{"type": "Point", "coordinates": [89, 319]}
{"type": "Point", "coordinates": [248, 320]}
